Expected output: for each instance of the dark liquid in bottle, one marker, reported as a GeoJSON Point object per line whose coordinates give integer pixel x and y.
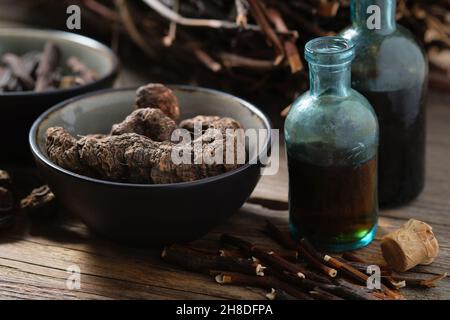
{"type": "Point", "coordinates": [332, 205]}
{"type": "Point", "coordinates": [401, 115]}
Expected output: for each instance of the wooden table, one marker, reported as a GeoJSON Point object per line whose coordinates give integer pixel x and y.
{"type": "Point", "coordinates": [34, 258]}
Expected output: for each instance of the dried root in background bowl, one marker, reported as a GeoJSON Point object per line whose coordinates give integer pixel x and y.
{"type": "Point", "coordinates": [41, 71]}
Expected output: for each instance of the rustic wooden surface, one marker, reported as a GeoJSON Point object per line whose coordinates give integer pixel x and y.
{"type": "Point", "coordinates": [34, 257]}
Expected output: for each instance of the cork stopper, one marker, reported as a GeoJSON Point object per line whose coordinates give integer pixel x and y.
{"type": "Point", "coordinates": [414, 243]}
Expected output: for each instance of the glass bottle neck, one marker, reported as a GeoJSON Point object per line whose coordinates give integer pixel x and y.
{"type": "Point", "coordinates": [374, 15]}
{"type": "Point", "coordinates": [330, 79]}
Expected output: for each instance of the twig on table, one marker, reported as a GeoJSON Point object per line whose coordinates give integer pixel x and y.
{"type": "Point", "coordinates": [345, 268]}
{"type": "Point", "coordinates": [278, 294]}
{"type": "Point", "coordinates": [288, 242]}
{"type": "Point", "coordinates": [392, 283]}
{"type": "Point", "coordinates": [423, 283]}
{"type": "Point", "coordinates": [267, 282]}
{"type": "Point", "coordinates": [358, 275]}
{"type": "Point", "coordinates": [316, 263]}
{"type": "Point", "coordinates": [197, 261]}
{"type": "Point", "coordinates": [342, 288]}
{"type": "Point", "coordinates": [282, 238]}
{"type": "Point", "coordinates": [270, 258]}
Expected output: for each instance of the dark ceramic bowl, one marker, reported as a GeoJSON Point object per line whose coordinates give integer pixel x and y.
{"type": "Point", "coordinates": [18, 110]}
{"type": "Point", "coordinates": [147, 214]}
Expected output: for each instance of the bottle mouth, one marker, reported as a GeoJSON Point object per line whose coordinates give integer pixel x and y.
{"type": "Point", "coordinates": [329, 51]}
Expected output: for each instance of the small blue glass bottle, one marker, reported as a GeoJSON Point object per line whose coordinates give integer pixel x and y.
{"type": "Point", "coordinates": [391, 71]}
{"type": "Point", "coordinates": [331, 137]}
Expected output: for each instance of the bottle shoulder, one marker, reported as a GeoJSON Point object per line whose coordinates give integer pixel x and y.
{"type": "Point", "coordinates": [355, 102]}
{"type": "Point", "coordinates": [344, 128]}
{"type": "Point", "coordinates": [386, 61]}
{"type": "Point", "coordinates": [330, 115]}
{"type": "Point", "coordinates": [400, 40]}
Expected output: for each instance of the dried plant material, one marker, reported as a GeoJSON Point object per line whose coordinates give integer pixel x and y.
{"type": "Point", "coordinates": [231, 60]}
{"type": "Point", "coordinates": [48, 65]}
{"type": "Point", "coordinates": [208, 157]}
{"type": "Point", "coordinates": [40, 71]}
{"type": "Point", "coordinates": [202, 262]}
{"type": "Point", "coordinates": [155, 95]}
{"type": "Point", "coordinates": [266, 282]}
{"type": "Point", "coordinates": [279, 295]}
{"type": "Point", "coordinates": [18, 69]}
{"type": "Point", "coordinates": [80, 70]}
{"type": "Point", "coordinates": [210, 122]}
{"type": "Point", "coordinates": [149, 122]}
{"type": "Point", "coordinates": [63, 150]}
{"type": "Point", "coordinates": [421, 283]}
{"type": "Point", "coordinates": [5, 179]}
{"type": "Point", "coordinates": [290, 48]}
{"type": "Point", "coordinates": [131, 157]}
{"type": "Point", "coordinates": [128, 157]}
{"type": "Point", "coordinates": [259, 13]}
{"type": "Point", "coordinates": [207, 60]}
{"type": "Point", "coordinates": [139, 149]}
{"type": "Point", "coordinates": [328, 8]}
{"type": "Point", "coordinates": [414, 243]}
{"type": "Point", "coordinates": [70, 81]}
{"type": "Point", "coordinates": [145, 25]}
{"type": "Point", "coordinates": [280, 276]}
{"type": "Point", "coordinates": [40, 203]}
{"type": "Point", "coordinates": [7, 202]}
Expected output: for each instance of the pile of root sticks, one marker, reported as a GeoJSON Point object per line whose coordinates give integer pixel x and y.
{"type": "Point", "coordinates": [298, 272]}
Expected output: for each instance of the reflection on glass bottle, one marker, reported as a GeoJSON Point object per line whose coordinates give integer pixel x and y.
{"type": "Point", "coordinates": [390, 70]}
{"type": "Point", "coordinates": [331, 137]}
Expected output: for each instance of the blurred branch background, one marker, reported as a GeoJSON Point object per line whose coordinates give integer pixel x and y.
{"type": "Point", "coordinates": [252, 48]}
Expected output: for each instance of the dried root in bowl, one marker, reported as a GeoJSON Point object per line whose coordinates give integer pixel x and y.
{"type": "Point", "coordinates": [140, 150]}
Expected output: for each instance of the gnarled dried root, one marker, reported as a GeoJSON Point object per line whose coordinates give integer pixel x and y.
{"type": "Point", "coordinates": [210, 122]}
{"type": "Point", "coordinates": [149, 122]}
{"type": "Point", "coordinates": [155, 95]}
{"type": "Point", "coordinates": [134, 158]}
{"type": "Point", "coordinates": [62, 149]}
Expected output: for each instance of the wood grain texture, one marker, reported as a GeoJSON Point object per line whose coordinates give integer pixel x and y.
{"type": "Point", "coordinates": [34, 258]}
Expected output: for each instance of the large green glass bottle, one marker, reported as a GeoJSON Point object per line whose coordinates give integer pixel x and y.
{"type": "Point", "coordinates": [391, 71]}
{"type": "Point", "coordinates": [331, 137]}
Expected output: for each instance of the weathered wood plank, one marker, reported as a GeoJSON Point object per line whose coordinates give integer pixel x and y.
{"type": "Point", "coordinates": [37, 266]}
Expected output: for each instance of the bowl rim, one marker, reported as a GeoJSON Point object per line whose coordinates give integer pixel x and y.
{"type": "Point", "coordinates": [32, 139]}
{"type": "Point", "coordinates": [69, 36]}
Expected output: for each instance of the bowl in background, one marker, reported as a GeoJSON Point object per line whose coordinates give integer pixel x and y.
{"type": "Point", "coordinates": [147, 214]}
{"type": "Point", "coordinates": [18, 110]}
